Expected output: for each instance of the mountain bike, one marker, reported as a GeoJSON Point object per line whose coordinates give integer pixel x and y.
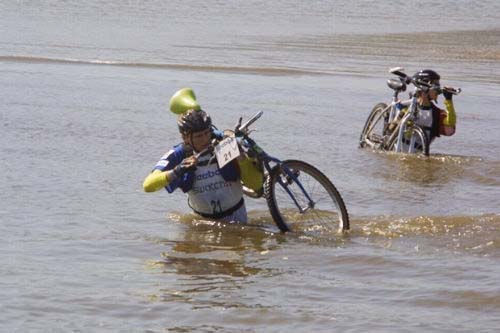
{"type": "Point", "coordinates": [299, 196]}
{"type": "Point", "coordinates": [390, 128]}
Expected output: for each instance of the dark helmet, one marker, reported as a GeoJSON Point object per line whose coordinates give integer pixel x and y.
{"type": "Point", "coordinates": [193, 121]}
{"type": "Point", "coordinates": [428, 76]}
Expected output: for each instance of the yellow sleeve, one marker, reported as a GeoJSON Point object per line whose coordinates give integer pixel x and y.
{"type": "Point", "coordinates": [156, 180]}
{"type": "Point", "coordinates": [252, 175]}
{"type": "Point", "coordinates": [451, 117]}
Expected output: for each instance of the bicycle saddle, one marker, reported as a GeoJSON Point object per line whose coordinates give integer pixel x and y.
{"type": "Point", "coordinates": [396, 85]}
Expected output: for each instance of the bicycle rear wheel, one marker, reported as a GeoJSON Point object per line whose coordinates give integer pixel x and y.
{"type": "Point", "coordinates": [375, 127]}
{"type": "Point", "coordinates": [326, 212]}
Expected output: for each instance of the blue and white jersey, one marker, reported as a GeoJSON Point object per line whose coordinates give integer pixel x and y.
{"type": "Point", "coordinates": [211, 194]}
{"type": "Point", "coordinates": [210, 190]}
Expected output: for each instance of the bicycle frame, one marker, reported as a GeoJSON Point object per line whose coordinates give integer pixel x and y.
{"type": "Point", "coordinates": [394, 111]}
{"type": "Point", "coordinates": [401, 126]}
{"type": "Point", "coordinates": [411, 115]}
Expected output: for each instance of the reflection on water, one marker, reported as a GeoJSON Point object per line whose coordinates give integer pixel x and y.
{"type": "Point", "coordinates": [205, 266]}
{"type": "Point", "coordinates": [207, 236]}
{"type": "Point", "coordinates": [435, 170]}
{"type": "Point", "coordinates": [210, 260]}
{"type": "Point", "coordinates": [213, 257]}
{"type": "Point", "coordinates": [204, 283]}
{"type": "Point", "coordinates": [215, 248]}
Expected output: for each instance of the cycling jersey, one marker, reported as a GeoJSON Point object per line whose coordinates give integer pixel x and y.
{"type": "Point", "coordinates": [428, 119]}
{"type": "Point", "coordinates": [212, 192]}
{"type": "Point", "coordinates": [175, 156]}
{"type": "Point", "coordinates": [435, 121]}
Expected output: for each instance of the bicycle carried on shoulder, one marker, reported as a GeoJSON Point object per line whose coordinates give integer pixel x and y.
{"type": "Point", "coordinates": [299, 196]}
{"type": "Point", "coordinates": [390, 128]}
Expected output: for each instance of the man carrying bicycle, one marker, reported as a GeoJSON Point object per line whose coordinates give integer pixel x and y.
{"type": "Point", "coordinates": [433, 120]}
{"type": "Point", "coordinates": [214, 193]}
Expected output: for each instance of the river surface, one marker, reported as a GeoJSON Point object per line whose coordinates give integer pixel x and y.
{"type": "Point", "coordinates": [84, 94]}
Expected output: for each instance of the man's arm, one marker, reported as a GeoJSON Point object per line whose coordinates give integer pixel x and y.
{"type": "Point", "coordinates": [448, 117]}
{"type": "Point", "coordinates": [157, 180]}
{"type": "Point", "coordinates": [251, 174]}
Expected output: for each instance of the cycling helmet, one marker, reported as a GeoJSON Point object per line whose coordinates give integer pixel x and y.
{"type": "Point", "coordinates": [194, 121]}
{"type": "Point", "coordinates": [427, 76]}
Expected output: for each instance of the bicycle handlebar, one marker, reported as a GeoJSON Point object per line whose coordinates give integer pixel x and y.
{"type": "Point", "coordinates": [240, 129]}
{"type": "Point", "coordinates": [418, 83]}
{"type": "Point", "coordinates": [244, 127]}
{"type": "Point", "coordinates": [451, 90]}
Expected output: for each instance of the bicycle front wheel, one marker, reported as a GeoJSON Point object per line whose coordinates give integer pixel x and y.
{"type": "Point", "coordinates": [306, 201]}
{"type": "Point", "coordinates": [415, 141]}
{"type": "Point", "coordinates": [375, 127]}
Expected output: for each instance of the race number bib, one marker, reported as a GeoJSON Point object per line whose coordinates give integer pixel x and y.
{"type": "Point", "coordinates": [226, 151]}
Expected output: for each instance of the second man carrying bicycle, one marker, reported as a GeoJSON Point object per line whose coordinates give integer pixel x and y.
{"type": "Point", "coordinates": [432, 119]}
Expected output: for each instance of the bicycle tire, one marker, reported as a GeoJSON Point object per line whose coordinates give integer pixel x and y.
{"type": "Point", "coordinates": [370, 135]}
{"type": "Point", "coordinates": [331, 214]}
{"type": "Point", "coordinates": [419, 135]}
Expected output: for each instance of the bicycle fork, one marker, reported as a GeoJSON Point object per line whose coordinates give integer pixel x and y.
{"type": "Point", "coordinates": [403, 127]}
{"type": "Point", "coordinates": [294, 179]}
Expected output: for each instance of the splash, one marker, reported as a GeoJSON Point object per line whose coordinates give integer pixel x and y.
{"type": "Point", "coordinates": [473, 234]}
